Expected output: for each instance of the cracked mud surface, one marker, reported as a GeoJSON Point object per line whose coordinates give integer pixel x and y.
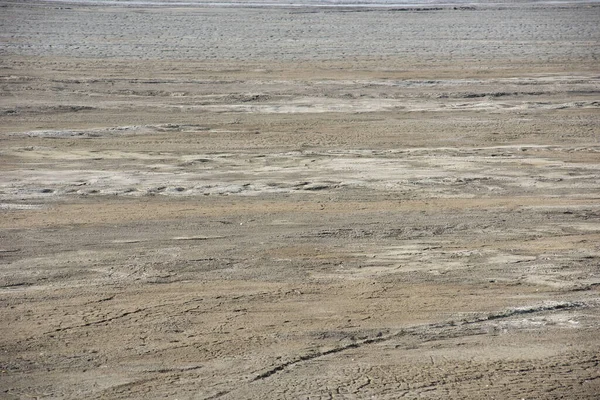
{"type": "Point", "coordinates": [281, 213]}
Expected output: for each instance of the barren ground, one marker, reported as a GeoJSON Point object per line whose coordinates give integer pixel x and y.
{"type": "Point", "coordinates": [243, 203]}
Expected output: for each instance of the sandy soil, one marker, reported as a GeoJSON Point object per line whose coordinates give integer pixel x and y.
{"type": "Point", "coordinates": [236, 203]}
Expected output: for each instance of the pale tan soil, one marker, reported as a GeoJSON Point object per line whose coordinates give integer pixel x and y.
{"type": "Point", "coordinates": [413, 213]}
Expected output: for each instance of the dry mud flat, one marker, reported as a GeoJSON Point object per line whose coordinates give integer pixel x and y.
{"type": "Point", "coordinates": [241, 203]}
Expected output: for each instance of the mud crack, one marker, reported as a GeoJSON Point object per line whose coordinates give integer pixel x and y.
{"type": "Point", "coordinates": [98, 322]}
{"type": "Point", "coordinates": [416, 329]}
